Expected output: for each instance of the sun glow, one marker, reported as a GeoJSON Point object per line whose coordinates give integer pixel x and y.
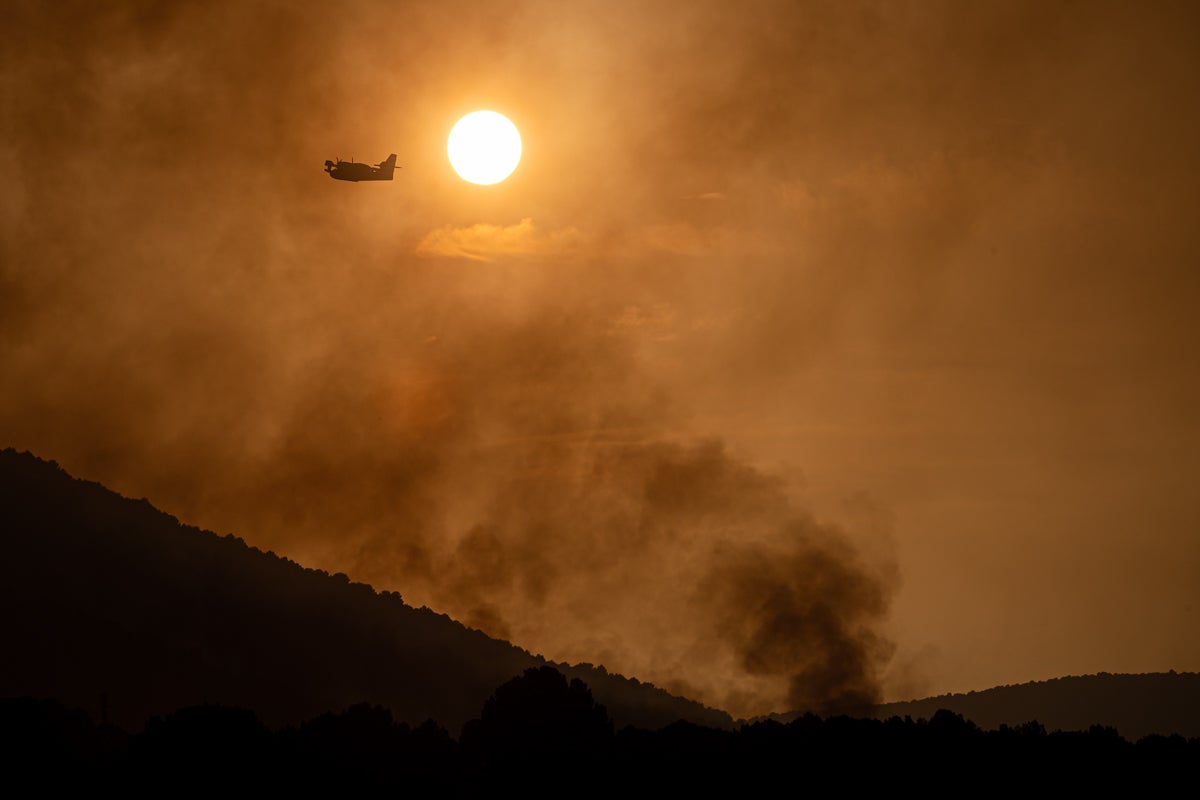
{"type": "Point", "coordinates": [484, 147]}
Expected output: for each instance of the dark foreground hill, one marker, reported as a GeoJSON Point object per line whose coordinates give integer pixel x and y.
{"type": "Point", "coordinates": [1136, 705]}
{"type": "Point", "coordinates": [112, 606]}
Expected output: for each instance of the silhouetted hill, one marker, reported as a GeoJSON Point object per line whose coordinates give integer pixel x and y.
{"type": "Point", "coordinates": [113, 606]}
{"type": "Point", "coordinates": [1140, 705]}
{"type": "Point", "coordinates": [1136, 705]}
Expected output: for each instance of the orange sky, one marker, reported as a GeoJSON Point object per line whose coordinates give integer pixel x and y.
{"type": "Point", "coordinates": [880, 315]}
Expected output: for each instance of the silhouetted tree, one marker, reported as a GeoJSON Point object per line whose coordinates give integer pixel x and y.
{"type": "Point", "coordinates": [45, 746]}
{"type": "Point", "coordinates": [540, 713]}
{"type": "Point", "coordinates": [540, 734]}
{"type": "Point", "coordinates": [364, 747]}
{"type": "Point", "coordinates": [202, 747]}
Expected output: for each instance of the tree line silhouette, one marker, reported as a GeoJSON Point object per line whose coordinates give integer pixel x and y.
{"type": "Point", "coordinates": [542, 732]}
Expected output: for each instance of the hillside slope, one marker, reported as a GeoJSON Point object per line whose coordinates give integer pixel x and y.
{"type": "Point", "coordinates": [1136, 705]}
{"type": "Point", "coordinates": [110, 605]}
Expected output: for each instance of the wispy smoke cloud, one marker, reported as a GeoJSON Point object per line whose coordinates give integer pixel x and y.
{"type": "Point", "coordinates": [722, 222]}
{"type": "Point", "coordinates": [483, 242]}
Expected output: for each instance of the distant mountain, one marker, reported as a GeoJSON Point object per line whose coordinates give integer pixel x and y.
{"type": "Point", "coordinates": [1136, 705]}
{"type": "Point", "coordinates": [110, 605]}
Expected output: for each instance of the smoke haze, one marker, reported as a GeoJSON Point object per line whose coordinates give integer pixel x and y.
{"type": "Point", "coordinates": [939, 257]}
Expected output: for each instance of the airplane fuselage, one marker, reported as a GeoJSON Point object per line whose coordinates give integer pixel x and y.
{"type": "Point", "coordinates": [357, 171]}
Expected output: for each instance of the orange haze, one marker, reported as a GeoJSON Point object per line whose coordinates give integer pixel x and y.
{"type": "Point", "coordinates": [815, 352]}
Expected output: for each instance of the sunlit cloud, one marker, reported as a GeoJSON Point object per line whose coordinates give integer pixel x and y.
{"type": "Point", "coordinates": [485, 241]}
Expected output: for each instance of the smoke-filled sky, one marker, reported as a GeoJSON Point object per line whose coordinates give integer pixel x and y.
{"type": "Point", "coordinates": [816, 352]}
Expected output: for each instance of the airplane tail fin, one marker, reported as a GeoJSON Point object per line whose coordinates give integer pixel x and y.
{"type": "Point", "coordinates": [387, 167]}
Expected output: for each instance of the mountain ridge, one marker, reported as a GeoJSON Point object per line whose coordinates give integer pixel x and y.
{"type": "Point", "coordinates": [1136, 704]}
{"type": "Point", "coordinates": [114, 605]}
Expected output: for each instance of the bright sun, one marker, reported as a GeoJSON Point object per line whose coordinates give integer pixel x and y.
{"type": "Point", "coordinates": [484, 147]}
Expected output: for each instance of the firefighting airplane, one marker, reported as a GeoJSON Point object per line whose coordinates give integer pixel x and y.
{"type": "Point", "coordinates": [354, 171]}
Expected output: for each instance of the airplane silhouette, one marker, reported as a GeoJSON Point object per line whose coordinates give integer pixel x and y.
{"type": "Point", "coordinates": [354, 171]}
